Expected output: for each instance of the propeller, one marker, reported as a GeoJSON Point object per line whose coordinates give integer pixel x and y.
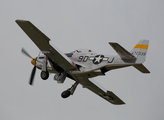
{"type": "Point", "coordinates": [34, 68]}
{"type": "Point", "coordinates": [26, 53]}
{"type": "Point", "coordinates": [32, 75]}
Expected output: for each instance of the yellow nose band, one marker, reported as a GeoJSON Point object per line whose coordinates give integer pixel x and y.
{"type": "Point", "coordinates": [33, 61]}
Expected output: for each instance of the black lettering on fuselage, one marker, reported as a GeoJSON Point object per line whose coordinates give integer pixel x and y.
{"type": "Point", "coordinates": [83, 58]}
{"type": "Point", "coordinates": [80, 58]}
{"type": "Point", "coordinates": [139, 53]}
{"type": "Point", "coordinates": [110, 60]}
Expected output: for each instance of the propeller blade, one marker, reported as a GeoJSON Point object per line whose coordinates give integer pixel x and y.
{"type": "Point", "coordinates": [32, 75]}
{"type": "Point", "coordinates": [26, 53]}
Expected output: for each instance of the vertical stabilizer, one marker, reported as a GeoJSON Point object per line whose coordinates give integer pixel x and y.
{"type": "Point", "coordinates": [140, 51]}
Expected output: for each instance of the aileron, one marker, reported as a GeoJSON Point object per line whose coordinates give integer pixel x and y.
{"type": "Point", "coordinates": [39, 38]}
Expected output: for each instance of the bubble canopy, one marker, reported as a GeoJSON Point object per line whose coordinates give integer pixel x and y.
{"type": "Point", "coordinates": [80, 51]}
{"type": "Point", "coordinates": [83, 51]}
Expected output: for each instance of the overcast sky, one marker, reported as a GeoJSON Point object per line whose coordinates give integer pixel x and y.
{"type": "Point", "coordinates": [74, 24]}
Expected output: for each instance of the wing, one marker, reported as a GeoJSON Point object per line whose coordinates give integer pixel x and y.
{"type": "Point", "coordinates": [45, 45]}
{"type": "Point", "coordinates": [123, 53]}
{"type": "Point", "coordinates": [99, 90]}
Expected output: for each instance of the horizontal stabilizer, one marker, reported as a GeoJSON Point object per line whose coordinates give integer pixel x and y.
{"type": "Point", "coordinates": [123, 53]}
{"type": "Point", "coordinates": [141, 68]}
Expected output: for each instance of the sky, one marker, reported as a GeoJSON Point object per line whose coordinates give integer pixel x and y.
{"type": "Point", "coordinates": [76, 24]}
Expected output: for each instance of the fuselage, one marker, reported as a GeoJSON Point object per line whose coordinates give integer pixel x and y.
{"type": "Point", "coordinates": [92, 61]}
{"type": "Point", "coordinates": [86, 61]}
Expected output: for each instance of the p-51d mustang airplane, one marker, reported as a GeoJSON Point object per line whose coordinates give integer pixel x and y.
{"type": "Point", "coordinates": [80, 65]}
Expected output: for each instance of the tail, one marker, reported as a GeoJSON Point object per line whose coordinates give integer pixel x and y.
{"type": "Point", "coordinates": [140, 51]}
{"type": "Point", "coordinates": [137, 55]}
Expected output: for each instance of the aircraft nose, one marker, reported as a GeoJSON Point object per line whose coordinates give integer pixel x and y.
{"type": "Point", "coordinates": [33, 61]}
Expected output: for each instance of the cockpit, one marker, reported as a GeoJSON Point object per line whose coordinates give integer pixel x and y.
{"type": "Point", "coordinates": [79, 51]}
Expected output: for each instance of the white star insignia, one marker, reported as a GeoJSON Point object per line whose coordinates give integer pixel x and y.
{"type": "Point", "coordinates": [97, 59]}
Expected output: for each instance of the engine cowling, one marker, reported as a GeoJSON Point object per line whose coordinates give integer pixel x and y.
{"type": "Point", "coordinates": [60, 77]}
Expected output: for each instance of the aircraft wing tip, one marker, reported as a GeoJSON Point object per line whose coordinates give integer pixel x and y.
{"type": "Point", "coordinates": [19, 20]}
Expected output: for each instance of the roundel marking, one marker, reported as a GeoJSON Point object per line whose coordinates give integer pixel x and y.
{"type": "Point", "coordinates": [98, 59]}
